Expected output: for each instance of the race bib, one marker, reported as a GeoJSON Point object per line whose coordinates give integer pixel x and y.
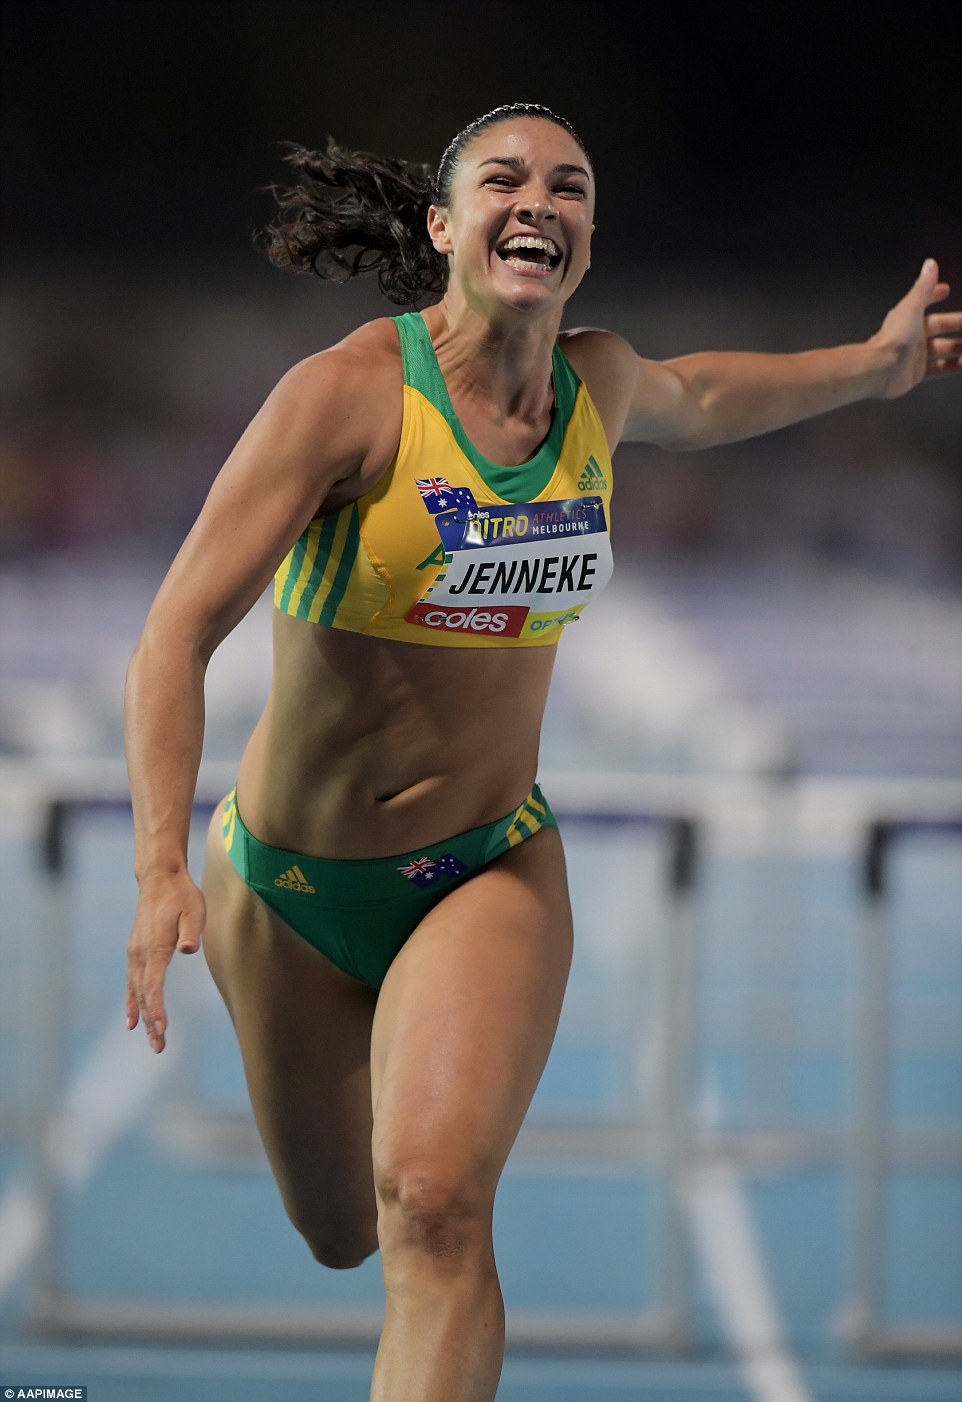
{"type": "Point", "coordinates": [515, 571]}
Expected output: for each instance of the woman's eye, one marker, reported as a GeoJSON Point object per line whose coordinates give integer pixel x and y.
{"type": "Point", "coordinates": [505, 182]}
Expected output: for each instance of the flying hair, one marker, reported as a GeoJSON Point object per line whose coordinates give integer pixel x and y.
{"type": "Point", "coordinates": [350, 212]}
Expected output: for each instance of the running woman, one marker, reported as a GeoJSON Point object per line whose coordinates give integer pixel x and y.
{"type": "Point", "coordinates": [385, 909]}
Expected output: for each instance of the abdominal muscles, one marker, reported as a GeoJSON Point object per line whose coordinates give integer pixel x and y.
{"type": "Point", "coordinates": [370, 747]}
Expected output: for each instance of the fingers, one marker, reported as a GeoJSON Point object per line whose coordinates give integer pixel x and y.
{"type": "Point", "coordinates": [133, 1011]}
{"type": "Point", "coordinates": [944, 347]}
{"type": "Point", "coordinates": [170, 915]}
{"type": "Point", "coordinates": [944, 324]}
{"type": "Point", "coordinates": [928, 286]}
{"type": "Point", "coordinates": [152, 1011]}
{"type": "Point", "coordinates": [944, 367]}
{"type": "Point", "coordinates": [190, 926]}
{"type": "Point", "coordinates": [943, 330]}
{"type": "Point", "coordinates": [145, 997]}
{"type": "Point", "coordinates": [147, 965]}
{"type": "Point", "coordinates": [944, 353]}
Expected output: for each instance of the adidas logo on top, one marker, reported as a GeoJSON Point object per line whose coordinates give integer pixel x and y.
{"type": "Point", "coordinates": [592, 478]}
{"type": "Point", "coordinates": [294, 880]}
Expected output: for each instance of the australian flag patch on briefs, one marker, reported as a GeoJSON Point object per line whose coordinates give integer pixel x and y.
{"type": "Point", "coordinates": [425, 871]}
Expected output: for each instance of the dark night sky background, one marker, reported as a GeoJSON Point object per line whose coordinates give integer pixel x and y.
{"type": "Point", "coordinates": [742, 135]}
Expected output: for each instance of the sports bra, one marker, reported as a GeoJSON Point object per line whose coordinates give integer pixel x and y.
{"type": "Point", "coordinates": [452, 550]}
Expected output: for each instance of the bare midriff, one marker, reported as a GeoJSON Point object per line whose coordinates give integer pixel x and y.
{"type": "Point", "coordinates": [370, 747]}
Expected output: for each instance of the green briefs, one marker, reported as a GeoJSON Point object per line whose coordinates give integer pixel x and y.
{"type": "Point", "coordinates": [359, 913]}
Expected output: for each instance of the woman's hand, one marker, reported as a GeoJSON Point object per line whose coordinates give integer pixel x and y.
{"type": "Point", "coordinates": [921, 346]}
{"type": "Point", "coordinates": [170, 915]}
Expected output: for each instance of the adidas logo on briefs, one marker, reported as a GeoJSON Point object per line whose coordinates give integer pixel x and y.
{"type": "Point", "coordinates": [294, 880]}
{"type": "Point", "coordinates": [592, 478]}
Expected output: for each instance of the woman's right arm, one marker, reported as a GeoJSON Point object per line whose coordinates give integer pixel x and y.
{"type": "Point", "coordinates": [314, 431]}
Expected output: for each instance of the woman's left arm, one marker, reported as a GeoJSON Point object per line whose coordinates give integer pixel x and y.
{"type": "Point", "coordinates": [698, 401]}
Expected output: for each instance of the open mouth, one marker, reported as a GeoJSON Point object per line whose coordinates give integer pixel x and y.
{"type": "Point", "coordinates": [528, 253]}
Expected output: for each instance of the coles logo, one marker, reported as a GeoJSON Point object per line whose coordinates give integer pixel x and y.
{"type": "Point", "coordinates": [505, 622]}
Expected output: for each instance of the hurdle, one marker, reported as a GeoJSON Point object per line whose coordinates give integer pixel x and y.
{"type": "Point", "coordinates": [665, 1144]}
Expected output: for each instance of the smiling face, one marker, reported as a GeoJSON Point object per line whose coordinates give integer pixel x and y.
{"type": "Point", "coordinates": [517, 230]}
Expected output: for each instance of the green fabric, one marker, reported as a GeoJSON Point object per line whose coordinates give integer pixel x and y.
{"type": "Point", "coordinates": [516, 484]}
{"type": "Point", "coordinates": [360, 913]}
{"type": "Point", "coordinates": [294, 572]}
{"type": "Point", "coordinates": [324, 547]}
{"type": "Point", "coordinates": [315, 579]}
{"type": "Point", "coordinates": [343, 572]}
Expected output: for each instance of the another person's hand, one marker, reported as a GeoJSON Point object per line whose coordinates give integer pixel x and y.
{"type": "Point", "coordinates": [170, 916]}
{"type": "Point", "coordinates": [923, 345]}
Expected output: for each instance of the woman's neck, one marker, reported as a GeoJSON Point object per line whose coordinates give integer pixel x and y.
{"type": "Point", "coordinates": [504, 364]}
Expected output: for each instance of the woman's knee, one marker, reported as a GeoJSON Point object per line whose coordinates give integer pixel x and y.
{"type": "Point", "coordinates": [340, 1254]}
{"type": "Point", "coordinates": [434, 1209]}
{"type": "Point", "coordinates": [341, 1246]}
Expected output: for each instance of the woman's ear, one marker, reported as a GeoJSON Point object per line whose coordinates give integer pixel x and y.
{"type": "Point", "coordinates": [438, 229]}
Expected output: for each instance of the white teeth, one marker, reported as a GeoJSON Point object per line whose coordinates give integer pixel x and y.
{"type": "Point", "coordinates": [531, 241]}
{"type": "Point", "coordinates": [522, 266]}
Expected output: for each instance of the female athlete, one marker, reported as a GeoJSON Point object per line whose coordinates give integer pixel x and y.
{"type": "Point", "coordinates": [385, 909]}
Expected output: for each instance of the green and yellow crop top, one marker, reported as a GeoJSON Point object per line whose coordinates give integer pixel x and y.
{"type": "Point", "coordinates": [450, 549]}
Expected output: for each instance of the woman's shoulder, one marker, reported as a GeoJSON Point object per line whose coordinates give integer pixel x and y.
{"type": "Point", "coordinates": [608, 367]}
{"type": "Point", "coordinates": [368, 359]}
{"type": "Point", "coordinates": [348, 397]}
{"type": "Point", "coordinates": [592, 350]}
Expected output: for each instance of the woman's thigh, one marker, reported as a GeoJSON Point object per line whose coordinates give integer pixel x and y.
{"type": "Point", "coordinates": [304, 1029]}
{"type": "Point", "coordinates": [465, 1022]}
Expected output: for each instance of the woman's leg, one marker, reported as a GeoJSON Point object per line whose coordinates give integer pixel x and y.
{"type": "Point", "coordinates": [304, 1029]}
{"type": "Point", "coordinates": [462, 1031]}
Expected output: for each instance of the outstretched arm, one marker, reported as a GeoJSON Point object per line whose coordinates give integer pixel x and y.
{"type": "Point", "coordinates": [698, 401]}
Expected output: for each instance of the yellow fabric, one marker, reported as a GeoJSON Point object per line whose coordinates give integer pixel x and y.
{"type": "Point", "coordinates": [455, 565]}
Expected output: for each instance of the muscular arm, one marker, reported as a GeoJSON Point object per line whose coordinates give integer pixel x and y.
{"type": "Point", "coordinates": [313, 432]}
{"type": "Point", "coordinates": [701, 400]}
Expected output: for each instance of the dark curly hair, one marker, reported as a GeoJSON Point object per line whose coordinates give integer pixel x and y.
{"type": "Point", "coordinates": [352, 212]}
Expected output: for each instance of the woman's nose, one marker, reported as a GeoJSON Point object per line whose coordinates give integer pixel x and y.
{"type": "Point", "coordinates": [538, 206]}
